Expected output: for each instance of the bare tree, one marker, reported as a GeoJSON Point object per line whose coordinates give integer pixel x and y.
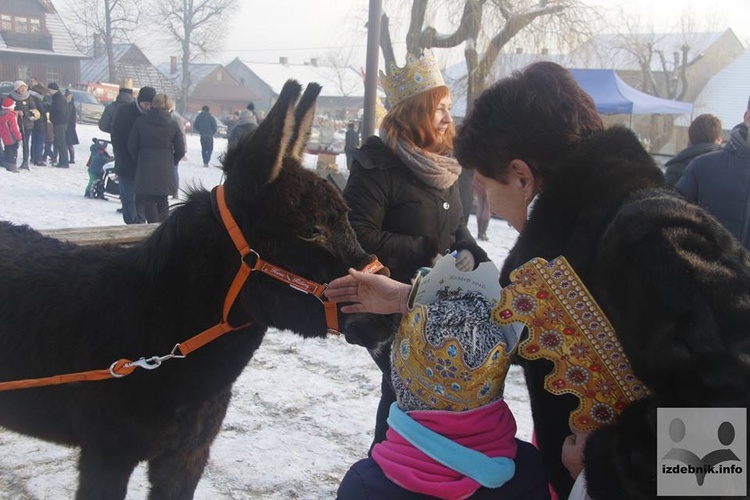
{"type": "Point", "coordinates": [485, 27]}
{"type": "Point", "coordinates": [197, 27]}
{"type": "Point", "coordinates": [105, 23]}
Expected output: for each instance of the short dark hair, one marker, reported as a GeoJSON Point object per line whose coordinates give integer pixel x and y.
{"type": "Point", "coordinates": [536, 114]}
{"type": "Point", "coordinates": [705, 128]}
{"type": "Point", "coordinates": [250, 106]}
{"type": "Point", "coordinates": [205, 107]}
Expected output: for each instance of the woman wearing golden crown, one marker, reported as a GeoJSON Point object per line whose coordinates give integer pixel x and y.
{"type": "Point", "coordinates": [402, 189]}
{"type": "Point", "coordinates": [673, 283]}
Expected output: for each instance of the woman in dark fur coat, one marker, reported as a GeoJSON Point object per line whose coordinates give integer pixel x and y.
{"type": "Point", "coordinates": [673, 282]}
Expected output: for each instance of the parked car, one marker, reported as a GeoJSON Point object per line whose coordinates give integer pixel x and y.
{"type": "Point", "coordinates": [89, 109]}
{"type": "Point", "coordinates": [5, 88]}
{"type": "Point", "coordinates": [186, 125]}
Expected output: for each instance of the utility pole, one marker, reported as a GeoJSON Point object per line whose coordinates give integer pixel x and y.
{"type": "Point", "coordinates": [371, 68]}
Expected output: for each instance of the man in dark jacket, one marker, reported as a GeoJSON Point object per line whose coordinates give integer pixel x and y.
{"type": "Point", "coordinates": [58, 115]}
{"type": "Point", "coordinates": [205, 125]}
{"type": "Point", "coordinates": [720, 182]}
{"type": "Point", "coordinates": [351, 142]}
{"type": "Point", "coordinates": [705, 136]}
{"type": "Point", "coordinates": [39, 132]}
{"type": "Point", "coordinates": [124, 97]}
{"type": "Point", "coordinates": [125, 164]}
{"type": "Point", "coordinates": [246, 124]}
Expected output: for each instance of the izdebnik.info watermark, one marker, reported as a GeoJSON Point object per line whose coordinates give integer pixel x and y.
{"type": "Point", "coordinates": [701, 452]}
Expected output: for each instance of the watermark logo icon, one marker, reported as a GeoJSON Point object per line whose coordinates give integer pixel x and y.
{"type": "Point", "coordinates": [701, 451]}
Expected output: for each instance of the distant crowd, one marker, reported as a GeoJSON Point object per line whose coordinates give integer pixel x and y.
{"type": "Point", "coordinates": [41, 121]}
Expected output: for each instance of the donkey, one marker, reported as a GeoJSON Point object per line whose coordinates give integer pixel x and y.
{"type": "Point", "coordinates": [65, 309]}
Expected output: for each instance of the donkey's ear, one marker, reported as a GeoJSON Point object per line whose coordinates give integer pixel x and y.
{"type": "Point", "coordinates": [304, 116]}
{"type": "Point", "coordinates": [259, 159]}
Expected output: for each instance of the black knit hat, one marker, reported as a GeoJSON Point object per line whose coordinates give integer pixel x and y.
{"type": "Point", "coordinates": [146, 94]}
{"type": "Point", "coordinates": [53, 86]}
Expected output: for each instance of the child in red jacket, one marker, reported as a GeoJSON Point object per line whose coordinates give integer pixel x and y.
{"type": "Point", "coordinates": [10, 135]}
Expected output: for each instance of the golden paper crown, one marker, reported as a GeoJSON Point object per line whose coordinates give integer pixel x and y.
{"type": "Point", "coordinates": [568, 327]}
{"type": "Point", "coordinates": [437, 376]}
{"type": "Point", "coordinates": [419, 74]}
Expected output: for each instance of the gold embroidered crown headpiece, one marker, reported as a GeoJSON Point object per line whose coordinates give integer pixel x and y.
{"type": "Point", "coordinates": [448, 363]}
{"type": "Point", "coordinates": [420, 73]}
{"type": "Point", "coordinates": [567, 327]}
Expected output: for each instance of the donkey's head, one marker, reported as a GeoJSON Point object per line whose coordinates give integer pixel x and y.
{"type": "Point", "coordinates": [293, 219]}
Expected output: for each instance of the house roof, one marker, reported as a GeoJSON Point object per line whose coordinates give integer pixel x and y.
{"type": "Point", "coordinates": [226, 89]}
{"type": "Point", "coordinates": [62, 42]}
{"type": "Point", "coordinates": [726, 93]}
{"type": "Point", "coordinates": [336, 82]}
{"type": "Point", "coordinates": [130, 62]}
{"type": "Point", "coordinates": [615, 51]}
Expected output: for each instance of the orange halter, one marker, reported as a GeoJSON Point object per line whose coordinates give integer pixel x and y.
{"type": "Point", "coordinates": [124, 367]}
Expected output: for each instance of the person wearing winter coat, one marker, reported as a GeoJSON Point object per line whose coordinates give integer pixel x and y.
{"type": "Point", "coordinates": [246, 124]}
{"type": "Point", "coordinates": [27, 114]}
{"type": "Point", "coordinates": [58, 115]}
{"type": "Point", "coordinates": [10, 134]}
{"type": "Point", "coordinates": [719, 182]}
{"type": "Point", "coordinates": [403, 192]}
{"type": "Point", "coordinates": [71, 135]}
{"type": "Point", "coordinates": [124, 97]}
{"type": "Point", "coordinates": [125, 163]}
{"type": "Point", "coordinates": [704, 135]}
{"type": "Point", "coordinates": [39, 131]}
{"type": "Point", "coordinates": [205, 125]}
{"type": "Point", "coordinates": [673, 282]}
{"type": "Point", "coordinates": [157, 145]}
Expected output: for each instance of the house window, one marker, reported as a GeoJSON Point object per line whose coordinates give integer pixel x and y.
{"type": "Point", "coordinates": [35, 26]}
{"type": "Point", "coordinates": [53, 75]}
{"type": "Point", "coordinates": [22, 25]}
{"type": "Point", "coordinates": [6, 23]}
{"type": "Point", "coordinates": [23, 72]}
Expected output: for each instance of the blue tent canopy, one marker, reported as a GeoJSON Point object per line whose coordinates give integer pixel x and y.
{"type": "Point", "coordinates": [613, 96]}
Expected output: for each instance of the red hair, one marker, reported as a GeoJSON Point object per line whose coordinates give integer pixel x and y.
{"type": "Point", "coordinates": [411, 120]}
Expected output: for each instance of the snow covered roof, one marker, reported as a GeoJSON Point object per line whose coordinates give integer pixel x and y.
{"type": "Point", "coordinates": [615, 51]}
{"type": "Point", "coordinates": [726, 94]}
{"type": "Point", "coordinates": [62, 42]}
{"type": "Point", "coordinates": [336, 82]}
{"type": "Point", "coordinates": [198, 71]}
{"type": "Point", "coordinates": [130, 62]}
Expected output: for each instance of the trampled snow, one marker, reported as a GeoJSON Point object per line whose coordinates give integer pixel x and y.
{"type": "Point", "coordinates": [302, 411]}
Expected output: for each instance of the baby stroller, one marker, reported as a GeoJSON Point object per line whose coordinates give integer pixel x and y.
{"type": "Point", "coordinates": [102, 178]}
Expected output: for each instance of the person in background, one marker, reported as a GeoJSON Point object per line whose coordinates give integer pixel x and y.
{"type": "Point", "coordinates": [483, 211]}
{"type": "Point", "coordinates": [39, 132]}
{"type": "Point", "coordinates": [125, 163]}
{"type": "Point", "coordinates": [402, 189]}
{"type": "Point", "coordinates": [71, 135]}
{"type": "Point", "coordinates": [205, 126]}
{"type": "Point", "coordinates": [156, 143]}
{"type": "Point", "coordinates": [251, 108]}
{"type": "Point", "coordinates": [124, 97]}
{"type": "Point", "coordinates": [673, 282]}
{"type": "Point", "coordinates": [10, 134]}
{"type": "Point", "coordinates": [351, 142]}
{"type": "Point", "coordinates": [704, 135]}
{"type": "Point", "coordinates": [58, 115]}
{"type": "Point", "coordinates": [454, 437]}
{"type": "Point", "coordinates": [719, 182]}
{"type": "Point", "coordinates": [27, 114]}
{"type": "Point", "coordinates": [466, 191]}
{"type": "Point", "coordinates": [181, 126]}
{"type": "Point", "coordinates": [245, 125]}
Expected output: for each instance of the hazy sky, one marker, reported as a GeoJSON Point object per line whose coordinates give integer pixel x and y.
{"type": "Point", "coordinates": [263, 30]}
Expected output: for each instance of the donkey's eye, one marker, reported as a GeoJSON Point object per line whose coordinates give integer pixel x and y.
{"type": "Point", "coordinates": [317, 234]}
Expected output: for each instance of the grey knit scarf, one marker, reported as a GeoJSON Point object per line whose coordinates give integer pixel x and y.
{"type": "Point", "coordinates": [17, 96]}
{"type": "Point", "coordinates": [437, 171]}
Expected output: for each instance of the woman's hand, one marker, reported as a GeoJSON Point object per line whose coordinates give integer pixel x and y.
{"type": "Point", "coordinates": [370, 293]}
{"type": "Point", "coordinates": [572, 452]}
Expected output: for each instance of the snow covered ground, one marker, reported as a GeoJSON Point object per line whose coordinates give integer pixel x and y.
{"type": "Point", "coordinates": [303, 410]}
